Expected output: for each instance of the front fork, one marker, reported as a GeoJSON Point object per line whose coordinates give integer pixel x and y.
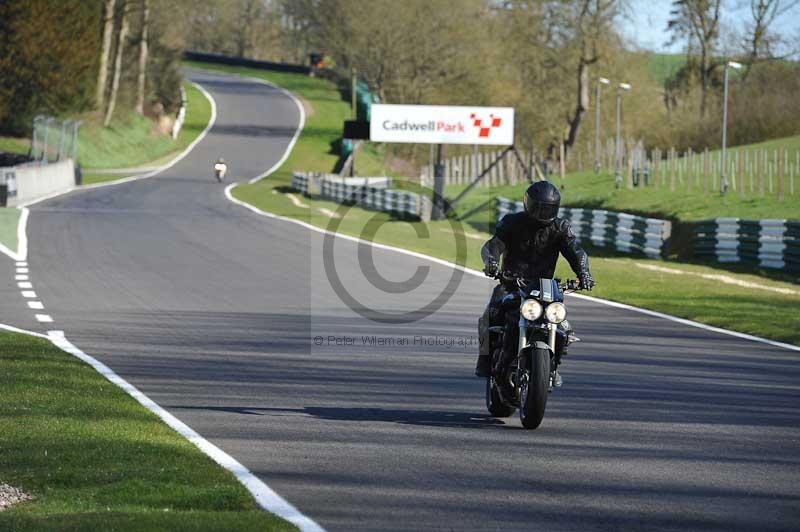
{"type": "Point", "coordinates": [523, 336]}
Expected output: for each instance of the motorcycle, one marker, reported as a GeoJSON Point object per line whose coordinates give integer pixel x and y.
{"type": "Point", "coordinates": [524, 380]}
{"type": "Point", "coordinates": [219, 171]}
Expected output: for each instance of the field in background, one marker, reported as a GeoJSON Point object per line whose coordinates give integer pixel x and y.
{"type": "Point", "coordinates": [95, 459]}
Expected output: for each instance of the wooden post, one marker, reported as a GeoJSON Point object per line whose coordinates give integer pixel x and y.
{"type": "Point", "coordinates": [689, 168]}
{"type": "Point", "coordinates": [629, 179]}
{"type": "Point", "coordinates": [740, 172]}
{"type": "Point", "coordinates": [762, 174]}
{"type": "Point", "coordinates": [671, 166]}
{"type": "Point", "coordinates": [781, 172]}
{"type": "Point", "coordinates": [561, 162]}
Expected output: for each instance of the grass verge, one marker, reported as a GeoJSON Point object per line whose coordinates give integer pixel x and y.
{"type": "Point", "coordinates": [131, 142]}
{"type": "Point", "coordinates": [749, 310]}
{"type": "Point", "coordinates": [95, 459]}
{"type": "Point", "coordinates": [9, 219]}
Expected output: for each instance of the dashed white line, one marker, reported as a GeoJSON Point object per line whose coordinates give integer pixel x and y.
{"type": "Point", "coordinates": [22, 270]}
{"type": "Point", "coordinates": [329, 213]}
{"type": "Point", "coordinates": [36, 305]}
{"type": "Point", "coordinates": [21, 277]}
{"type": "Point", "coordinates": [22, 263]}
{"type": "Point", "coordinates": [296, 201]}
{"type": "Point", "coordinates": [25, 284]}
{"type": "Point", "coordinates": [44, 318]}
{"type": "Point", "coordinates": [30, 294]}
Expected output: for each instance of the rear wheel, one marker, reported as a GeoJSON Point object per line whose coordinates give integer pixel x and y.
{"type": "Point", "coordinates": [534, 388]}
{"type": "Point", "coordinates": [495, 405]}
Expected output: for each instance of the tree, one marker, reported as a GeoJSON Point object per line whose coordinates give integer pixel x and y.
{"type": "Point", "coordinates": [48, 59]}
{"type": "Point", "coordinates": [122, 37]}
{"type": "Point", "coordinates": [698, 21]}
{"type": "Point", "coordinates": [758, 41]}
{"type": "Point", "coordinates": [102, 74]}
{"type": "Point", "coordinates": [142, 57]}
{"type": "Point", "coordinates": [591, 26]}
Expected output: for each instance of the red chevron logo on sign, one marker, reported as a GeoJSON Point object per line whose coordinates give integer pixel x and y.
{"type": "Point", "coordinates": [484, 130]}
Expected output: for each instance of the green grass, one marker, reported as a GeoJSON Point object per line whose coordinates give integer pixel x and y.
{"type": "Point", "coordinates": [742, 309]}
{"type": "Point", "coordinates": [15, 145]}
{"type": "Point", "coordinates": [596, 191]}
{"type": "Point", "coordinates": [8, 227]}
{"type": "Point", "coordinates": [95, 459]}
{"type": "Point", "coordinates": [663, 66]}
{"type": "Point", "coordinates": [132, 141]}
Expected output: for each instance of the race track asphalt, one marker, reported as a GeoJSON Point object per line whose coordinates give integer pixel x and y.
{"type": "Point", "coordinates": [213, 311]}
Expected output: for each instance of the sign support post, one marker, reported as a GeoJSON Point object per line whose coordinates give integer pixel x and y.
{"type": "Point", "coordinates": [439, 208]}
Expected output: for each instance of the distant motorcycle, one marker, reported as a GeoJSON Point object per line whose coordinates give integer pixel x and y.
{"type": "Point", "coordinates": [524, 380]}
{"type": "Point", "coordinates": [220, 168]}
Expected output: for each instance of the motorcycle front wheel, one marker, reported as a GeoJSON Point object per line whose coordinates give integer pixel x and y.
{"type": "Point", "coordinates": [534, 388]}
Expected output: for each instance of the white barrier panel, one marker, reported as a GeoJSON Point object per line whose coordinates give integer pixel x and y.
{"type": "Point", "coordinates": [36, 180]}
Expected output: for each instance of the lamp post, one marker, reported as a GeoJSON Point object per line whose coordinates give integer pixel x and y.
{"type": "Point", "coordinates": [617, 153]}
{"type": "Point", "coordinates": [723, 178]}
{"type": "Point", "coordinates": [600, 81]}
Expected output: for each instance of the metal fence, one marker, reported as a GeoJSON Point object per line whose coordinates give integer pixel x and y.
{"type": "Point", "coordinates": [625, 232]}
{"type": "Point", "coordinates": [53, 139]}
{"type": "Point", "coordinates": [765, 243]}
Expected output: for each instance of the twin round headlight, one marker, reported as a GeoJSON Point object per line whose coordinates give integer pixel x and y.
{"type": "Point", "coordinates": [555, 312]}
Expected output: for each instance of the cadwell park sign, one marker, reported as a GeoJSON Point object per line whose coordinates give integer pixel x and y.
{"type": "Point", "coordinates": [442, 124]}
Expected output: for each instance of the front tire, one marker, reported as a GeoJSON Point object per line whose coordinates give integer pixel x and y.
{"type": "Point", "coordinates": [495, 405]}
{"type": "Point", "coordinates": [534, 389]}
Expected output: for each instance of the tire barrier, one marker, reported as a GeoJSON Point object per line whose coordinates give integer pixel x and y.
{"type": "Point", "coordinates": [624, 232]}
{"type": "Point", "coordinates": [766, 243]}
{"type": "Point", "coordinates": [368, 192]}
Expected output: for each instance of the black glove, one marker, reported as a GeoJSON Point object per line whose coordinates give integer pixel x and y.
{"type": "Point", "coordinates": [491, 269]}
{"type": "Point", "coordinates": [587, 282]}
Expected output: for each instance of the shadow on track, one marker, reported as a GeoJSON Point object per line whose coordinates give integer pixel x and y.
{"type": "Point", "coordinates": [429, 418]}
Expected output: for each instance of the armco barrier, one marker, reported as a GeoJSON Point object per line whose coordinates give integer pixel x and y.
{"type": "Point", "coordinates": [766, 243]}
{"type": "Point", "coordinates": [625, 232]}
{"type": "Point", "coordinates": [34, 180]}
{"type": "Point", "coordinates": [368, 192]}
{"type": "Point", "coordinates": [241, 61]}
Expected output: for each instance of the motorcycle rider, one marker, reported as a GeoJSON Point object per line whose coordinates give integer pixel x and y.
{"type": "Point", "coordinates": [220, 168]}
{"type": "Point", "coordinates": [529, 243]}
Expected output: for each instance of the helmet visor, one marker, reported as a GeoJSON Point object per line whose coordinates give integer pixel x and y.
{"type": "Point", "coordinates": [543, 212]}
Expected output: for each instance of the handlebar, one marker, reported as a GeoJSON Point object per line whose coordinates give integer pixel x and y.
{"type": "Point", "coordinates": [570, 284]}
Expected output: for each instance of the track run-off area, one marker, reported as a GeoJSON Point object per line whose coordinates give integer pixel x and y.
{"type": "Point", "coordinates": [226, 319]}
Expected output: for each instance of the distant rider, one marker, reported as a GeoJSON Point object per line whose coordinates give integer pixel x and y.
{"type": "Point", "coordinates": [529, 243]}
{"type": "Point", "coordinates": [220, 168]}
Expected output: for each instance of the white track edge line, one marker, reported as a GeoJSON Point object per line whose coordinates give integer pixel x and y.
{"type": "Point", "coordinates": [265, 496]}
{"type": "Point", "coordinates": [480, 274]}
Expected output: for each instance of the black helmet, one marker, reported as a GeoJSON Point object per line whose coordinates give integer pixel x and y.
{"type": "Point", "coordinates": [541, 201]}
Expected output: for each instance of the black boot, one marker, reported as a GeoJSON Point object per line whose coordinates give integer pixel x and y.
{"type": "Point", "coordinates": [483, 368]}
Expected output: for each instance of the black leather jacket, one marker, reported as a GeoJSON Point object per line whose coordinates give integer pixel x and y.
{"type": "Point", "coordinates": [531, 249]}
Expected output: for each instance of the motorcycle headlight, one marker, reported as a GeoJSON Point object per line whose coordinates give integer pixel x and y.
{"type": "Point", "coordinates": [555, 312]}
{"type": "Point", "coordinates": [531, 309]}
